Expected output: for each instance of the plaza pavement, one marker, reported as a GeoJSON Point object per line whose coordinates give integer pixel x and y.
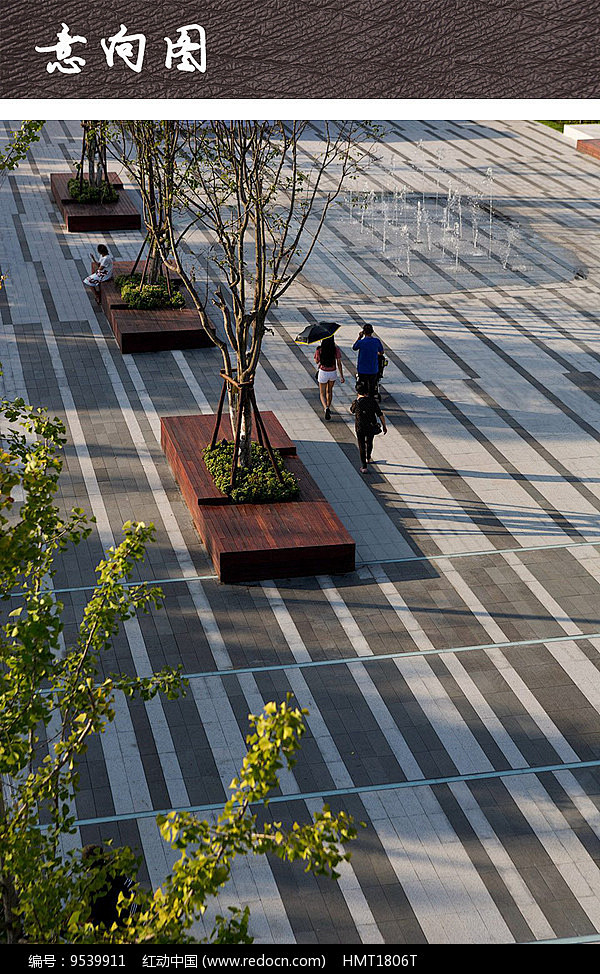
{"type": "Point", "coordinates": [453, 679]}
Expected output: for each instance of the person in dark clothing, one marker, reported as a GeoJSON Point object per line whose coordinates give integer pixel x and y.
{"type": "Point", "coordinates": [103, 902]}
{"type": "Point", "coordinates": [366, 411]}
{"type": "Point", "coordinates": [370, 357]}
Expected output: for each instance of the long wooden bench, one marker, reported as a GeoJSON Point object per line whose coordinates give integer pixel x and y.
{"type": "Point", "coordinates": [591, 147]}
{"type": "Point", "coordinates": [248, 542]}
{"type": "Point", "coordinates": [90, 217]}
{"type": "Point", "coordinates": [150, 331]}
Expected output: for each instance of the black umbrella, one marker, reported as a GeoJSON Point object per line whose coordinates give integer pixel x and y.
{"type": "Point", "coordinates": [317, 332]}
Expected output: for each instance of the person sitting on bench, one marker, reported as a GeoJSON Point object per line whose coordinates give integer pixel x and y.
{"type": "Point", "coordinates": [103, 272]}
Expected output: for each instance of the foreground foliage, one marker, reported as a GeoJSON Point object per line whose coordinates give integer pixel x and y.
{"type": "Point", "coordinates": [54, 696]}
{"type": "Point", "coordinates": [15, 151]}
{"type": "Point", "coordinates": [21, 141]}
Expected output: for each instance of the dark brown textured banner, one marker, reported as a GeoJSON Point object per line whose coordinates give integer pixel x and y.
{"type": "Point", "coordinates": [300, 49]}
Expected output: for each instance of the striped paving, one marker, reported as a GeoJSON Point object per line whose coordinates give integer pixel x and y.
{"type": "Point", "coordinates": [452, 681]}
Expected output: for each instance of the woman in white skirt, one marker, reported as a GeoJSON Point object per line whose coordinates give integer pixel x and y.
{"type": "Point", "coordinates": [328, 357]}
{"type": "Point", "coordinates": [104, 271]}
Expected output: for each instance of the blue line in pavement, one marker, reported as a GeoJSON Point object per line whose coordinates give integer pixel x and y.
{"type": "Point", "coordinates": [356, 790]}
{"type": "Point", "coordinates": [359, 564]}
{"type": "Point", "coordinates": [475, 554]}
{"type": "Point", "coordinates": [375, 658]}
{"type": "Point", "coordinates": [409, 654]}
{"type": "Point", "coordinates": [143, 581]}
{"type": "Point", "coordinates": [593, 938]}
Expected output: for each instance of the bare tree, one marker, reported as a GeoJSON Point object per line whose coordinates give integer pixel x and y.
{"type": "Point", "coordinates": [150, 152]}
{"type": "Point", "coordinates": [260, 191]}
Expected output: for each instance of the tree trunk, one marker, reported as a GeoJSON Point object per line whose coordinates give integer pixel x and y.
{"type": "Point", "coordinates": [241, 400]}
{"type": "Point", "coordinates": [155, 268]}
{"type": "Point", "coordinates": [82, 160]}
{"type": "Point", "coordinates": [152, 266]}
{"type": "Point", "coordinates": [91, 155]}
{"type": "Point", "coordinates": [96, 155]}
{"type": "Point", "coordinates": [102, 163]}
{"type": "Point", "coordinates": [245, 435]}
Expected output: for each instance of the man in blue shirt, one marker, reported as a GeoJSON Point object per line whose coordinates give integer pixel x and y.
{"type": "Point", "coordinates": [370, 354]}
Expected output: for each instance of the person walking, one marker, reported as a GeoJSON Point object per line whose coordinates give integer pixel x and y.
{"type": "Point", "coordinates": [366, 411]}
{"type": "Point", "coordinates": [370, 357]}
{"type": "Point", "coordinates": [328, 357]}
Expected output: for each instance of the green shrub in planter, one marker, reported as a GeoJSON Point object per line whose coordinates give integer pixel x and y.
{"type": "Point", "coordinates": [148, 297]}
{"type": "Point", "coordinates": [104, 193]}
{"type": "Point", "coordinates": [256, 485]}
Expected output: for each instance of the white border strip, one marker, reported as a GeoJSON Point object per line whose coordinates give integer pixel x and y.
{"type": "Point", "coordinates": [311, 108]}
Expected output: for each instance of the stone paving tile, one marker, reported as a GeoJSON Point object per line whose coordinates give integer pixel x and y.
{"type": "Point", "coordinates": [494, 423]}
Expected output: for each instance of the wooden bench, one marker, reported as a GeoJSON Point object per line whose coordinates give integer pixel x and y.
{"type": "Point", "coordinates": [90, 217]}
{"type": "Point", "coordinates": [591, 147]}
{"type": "Point", "coordinates": [150, 331]}
{"type": "Point", "coordinates": [248, 542]}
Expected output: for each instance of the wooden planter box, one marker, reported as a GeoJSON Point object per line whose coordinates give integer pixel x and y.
{"type": "Point", "coordinates": [249, 542]}
{"type": "Point", "coordinates": [88, 217]}
{"type": "Point", "coordinates": [591, 147]}
{"type": "Point", "coordinates": [150, 331]}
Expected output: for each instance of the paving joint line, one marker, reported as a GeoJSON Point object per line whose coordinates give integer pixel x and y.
{"type": "Point", "coordinates": [480, 553]}
{"type": "Point", "coordinates": [359, 564]}
{"type": "Point", "coordinates": [408, 654]}
{"type": "Point", "coordinates": [592, 938]}
{"type": "Point", "coordinates": [376, 658]}
{"type": "Point", "coordinates": [354, 790]}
